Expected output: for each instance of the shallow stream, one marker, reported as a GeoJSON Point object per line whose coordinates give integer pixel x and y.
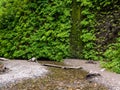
{"type": "Point", "coordinates": [58, 79]}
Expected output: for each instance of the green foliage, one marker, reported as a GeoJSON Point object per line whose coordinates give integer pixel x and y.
{"type": "Point", "coordinates": [88, 31]}
{"type": "Point", "coordinates": [112, 56]}
{"type": "Point", "coordinates": [88, 21]}
{"type": "Point", "coordinates": [34, 29]}
{"type": "Point", "coordinates": [107, 33]}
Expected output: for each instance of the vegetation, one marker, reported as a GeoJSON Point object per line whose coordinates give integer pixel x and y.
{"type": "Point", "coordinates": [57, 29]}
{"type": "Point", "coordinates": [34, 29]}
{"type": "Point", "coordinates": [108, 34]}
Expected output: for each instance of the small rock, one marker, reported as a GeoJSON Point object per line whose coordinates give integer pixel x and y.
{"type": "Point", "coordinates": [91, 62]}
{"type": "Point", "coordinates": [92, 75]}
{"type": "Point", "coordinates": [33, 59]}
{"type": "Point", "coordinates": [102, 70]}
{"type": "Point", "coordinates": [70, 88]}
{"type": "Point", "coordinates": [3, 59]}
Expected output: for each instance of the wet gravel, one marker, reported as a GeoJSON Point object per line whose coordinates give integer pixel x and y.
{"type": "Point", "coordinates": [20, 70]}
{"type": "Point", "coordinates": [109, 79]}
{"type": "Point", "coordinates": [55, 79]}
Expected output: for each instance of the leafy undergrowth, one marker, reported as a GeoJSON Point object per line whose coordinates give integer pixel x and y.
{"type": "Point", "coordinates": [59, 79]}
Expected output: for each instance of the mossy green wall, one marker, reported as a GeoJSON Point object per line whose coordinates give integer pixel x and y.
{"type": "Point", "coordinates": [76, 46]}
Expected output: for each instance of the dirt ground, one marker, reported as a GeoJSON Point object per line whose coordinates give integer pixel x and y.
{"type": "Point", "coordinates": [110, 79]}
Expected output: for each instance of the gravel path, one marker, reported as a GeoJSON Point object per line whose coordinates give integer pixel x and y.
{"type": "Point", "coordinates": [19, 70]}
{"type": "Point", "coordinates": [110, 79]}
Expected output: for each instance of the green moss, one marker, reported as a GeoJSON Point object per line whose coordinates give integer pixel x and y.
{"type": "Point", "coordinates": [76, 31]}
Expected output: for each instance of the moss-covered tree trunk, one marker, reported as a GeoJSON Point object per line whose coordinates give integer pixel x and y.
{"type": "Point", "coordinates": [75, 40]}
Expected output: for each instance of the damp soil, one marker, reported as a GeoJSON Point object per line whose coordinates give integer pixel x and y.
{"type": "Point", "coordinates": [58, 79]}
